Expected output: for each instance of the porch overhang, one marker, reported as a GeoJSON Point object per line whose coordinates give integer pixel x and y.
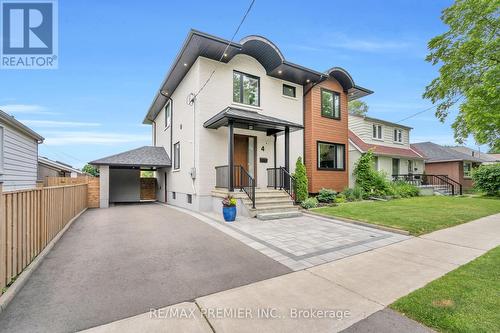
{"type": "Point", "coordinates": [251, 120]}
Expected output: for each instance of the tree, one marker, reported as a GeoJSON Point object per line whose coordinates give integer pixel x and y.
{"type": "Point", "coordinates": [358, 108]}
{"type": "Point", "coordinates": [469, 74]}
{"type": "Point", "coordinates": [91, 170]}
{"type": "Point", "coordinates": [301, 183]}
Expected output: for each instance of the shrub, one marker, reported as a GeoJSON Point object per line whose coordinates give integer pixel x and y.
{"type": "Point", "coordinates": [301, 184]}
{"type": "Point", "coordinates": [340, 198]}
{"type": "Point", "coordinates": [487, 178]}
{"type": "Point", "coordinates": [404, 190]}
{"type": "Point", "coordinates": [309, 203]}
{"type": "Point", "coordinates": [372, 182]}
{"type": "Point", "coordinates": [353, 194]}
{"type": "Point", "coordinates": [326, 195]}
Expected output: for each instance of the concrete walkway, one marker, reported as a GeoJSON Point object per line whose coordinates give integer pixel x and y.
{"type": "Point", "coordinates": [350, 289]}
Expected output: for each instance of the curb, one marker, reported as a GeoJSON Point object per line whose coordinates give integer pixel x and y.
{"type": "Point", "coordinates": [364, 224]}
{"type": "Point", "coordinates": [21, 279]}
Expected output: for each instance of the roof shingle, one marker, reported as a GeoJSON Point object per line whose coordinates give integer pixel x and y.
{"type": "Point", "coordinates": [146, 156]}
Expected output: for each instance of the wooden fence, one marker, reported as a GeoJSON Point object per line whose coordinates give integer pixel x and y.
{"type": "Point", "coordinates": [29, 220]}
{"type": "Point", "coordinates": [58, 181]}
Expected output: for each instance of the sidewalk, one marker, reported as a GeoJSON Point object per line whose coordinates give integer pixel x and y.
{"type": "Point", "coordinates": [353, 287]}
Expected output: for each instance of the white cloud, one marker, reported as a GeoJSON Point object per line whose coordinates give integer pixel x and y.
{"type": "Point", "coordinates": [26, 109]}
{"type": "Point", "coordinates": [56, 123]}
{"type": "Point", "coordinates": [82, 137]}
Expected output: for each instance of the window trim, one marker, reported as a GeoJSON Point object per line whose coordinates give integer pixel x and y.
{"type": "Point", "coordinates": [321, 102]}
{"type": "Point", "coordinates": [377, 132]}
{"type": "Point", "coordinates": [318, 159]}
{"type": "Point", "coordinates": [189, 198]}
{"type": "Point", "coordinates": [469, 176]}
{"type": "Point", "coordinates": [294, 88]}
{"type": "Point", "coordinates": [177, 161]}
{"type": "Point", "coordinates": [396, 134]}
{"type": "Point", "coordinates": [169, 104]}
{"type": "Point", "coordinates": [241, 88]}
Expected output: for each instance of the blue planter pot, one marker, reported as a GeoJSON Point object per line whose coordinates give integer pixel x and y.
{"type": "Point", "coordinates": [229, 213]}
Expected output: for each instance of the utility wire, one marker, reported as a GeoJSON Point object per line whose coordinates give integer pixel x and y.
{"type": "Point", "coordinates": [416, 114]}
{"type": "Point", "coordinates": [225, 50]}
{"type": "Point", "coordinates": [61, 153]}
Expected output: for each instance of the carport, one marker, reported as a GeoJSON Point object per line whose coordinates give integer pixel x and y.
{"type": "Point", "coordinates": [120, 175]}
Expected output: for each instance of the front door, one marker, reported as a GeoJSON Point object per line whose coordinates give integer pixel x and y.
{"type": "Point", "coordinates": [244, 155]}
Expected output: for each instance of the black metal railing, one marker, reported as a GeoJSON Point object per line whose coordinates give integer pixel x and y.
{"type": "Point", "coordinates": [241, 180]}
{"type": "Point", "coordinates": [279, 178]}
{"type": "Point", "coordinates": [442, 182]}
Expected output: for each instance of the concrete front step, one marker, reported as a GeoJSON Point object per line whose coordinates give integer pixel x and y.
{"type": "Point", "coordinates": [273, 209]}
{"type": "Point", "coordinates": [278, 215]}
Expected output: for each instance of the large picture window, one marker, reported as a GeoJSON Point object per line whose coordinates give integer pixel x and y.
{"type": "Point", "coordinates": [246, 89]}
{"type": "Point", "coordinates": [177, 156]}
{"type": "Point", "coordinates": [330, 104]}
{"type": "Point", "coordinates": [331, 156]}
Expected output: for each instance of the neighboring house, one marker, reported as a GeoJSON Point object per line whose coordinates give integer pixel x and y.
{"type": "Point", "coordinates": [440, 160]}
{"type": "Point", "coordinates": [390, 144]}
{"type": "Point", "coordinates": [18, 154]}
{"type": "Point", "coordinates": [486, 158]}
{"type": "Point", "coordinates": [50, 168]}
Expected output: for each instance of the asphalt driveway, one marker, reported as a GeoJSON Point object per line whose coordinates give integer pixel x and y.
{"type": "Point", "coordinates": [118, 262]}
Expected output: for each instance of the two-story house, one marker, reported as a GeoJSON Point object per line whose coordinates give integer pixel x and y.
{"type": "Point", "coordinates": [390, 144]}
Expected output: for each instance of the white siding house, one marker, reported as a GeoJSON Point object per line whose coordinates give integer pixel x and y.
{"type": "Point", "coordinates": [389, 142]}
{"type": "Point", "coordinates": [18, 154]}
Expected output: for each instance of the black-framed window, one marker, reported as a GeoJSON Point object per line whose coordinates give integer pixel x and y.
{"type": "Point", "coordinates": [330, 104]}
{"type": "Point", "coordinates": [189, 198]}
{"type": "Point", "coordinates": [377, 131]}
{"type": "Point", "coordinates": [290, 91]}
{"type": "Point", "coordinates": [168, 114]}
{"type": "Point", "coordinates": [177, 155]}
{"type": "Point", "coordinates": [398, 135]}
{"type": "Point", "coordinates": [331, 156]}
{"type": "Point", "coordinates": [246, 88]}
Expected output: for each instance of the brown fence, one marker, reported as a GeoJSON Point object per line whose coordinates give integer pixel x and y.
{"type": "Point", "coordinates": [29, 219]}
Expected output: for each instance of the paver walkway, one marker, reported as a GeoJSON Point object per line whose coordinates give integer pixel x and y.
{"type": "Point", "coordinates": [305, 241]}
{"type": "Point", "coordinates": [351, 288]}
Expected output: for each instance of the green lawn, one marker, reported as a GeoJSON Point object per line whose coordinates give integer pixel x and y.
{"type": "Point", "coordinates": [464, 300]}
{"type": "Point", "coordinates": [417, 215]}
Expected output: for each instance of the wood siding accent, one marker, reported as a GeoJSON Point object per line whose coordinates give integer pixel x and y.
{"type": "Point", "coordinates": [30, 219]}
{"type": "Point", "coordinates": [148, 188]}
{"type": "Point", "coordinates": [319, 128]}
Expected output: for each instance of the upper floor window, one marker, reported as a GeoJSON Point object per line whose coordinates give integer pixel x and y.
{"type": "Point", "coordinates": [177, 155]}
{"type": "Point", "coordinates": [398, 135]}
{"type": "Point", "coordinates": [467, 169]}
{"type": "Point", "coordinates": [377, 131]}
{"type": "Point", "coordinates": [168, 114]}
{"type": "Point", "coordinates": [331, 156]}
{"type": "Point", "coordinates": [289, 90]}
{"type": "Point", "coordinates": [246, 89]}
{"type": "Point", "coordinates": [330, 104]}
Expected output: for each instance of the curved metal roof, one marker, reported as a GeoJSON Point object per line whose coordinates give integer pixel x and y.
{"type": "Point", "coordinates": [200, 44]}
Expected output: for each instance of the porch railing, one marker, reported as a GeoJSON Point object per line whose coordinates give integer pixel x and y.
{"type": "Point", "coordinates": [444, 182]}
{"type": "Point", "coordinates": [279, 178]}
{"type": "Point", "coordinates": [241, 180]}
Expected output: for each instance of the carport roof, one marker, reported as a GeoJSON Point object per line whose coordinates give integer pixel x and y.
{"type": "Point", "coordinates": [146, 156]}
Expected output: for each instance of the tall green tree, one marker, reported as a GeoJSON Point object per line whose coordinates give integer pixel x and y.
{"type": "Point", "coordinates": [469, 76]}
{"type": "Point", "coordinates": [358, 107]}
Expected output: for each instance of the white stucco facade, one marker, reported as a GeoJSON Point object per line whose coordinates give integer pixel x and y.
{"type": "Point", "coordinates": [204, 149]}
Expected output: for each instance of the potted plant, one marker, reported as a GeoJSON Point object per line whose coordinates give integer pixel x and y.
{"type": "Point", "coordinates": [229, 208]}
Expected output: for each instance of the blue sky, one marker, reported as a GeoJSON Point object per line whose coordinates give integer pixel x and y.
{"type": "Point", "coordinates": [114, 54]}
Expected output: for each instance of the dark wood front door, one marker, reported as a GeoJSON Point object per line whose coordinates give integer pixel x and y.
{"type": "Point", "coordinates": [240, 157]}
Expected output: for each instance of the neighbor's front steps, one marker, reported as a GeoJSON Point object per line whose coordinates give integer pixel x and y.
{"type": "Point", "coordinates": [362, 285]}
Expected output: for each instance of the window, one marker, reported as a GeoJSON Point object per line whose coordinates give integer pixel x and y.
{"type": "Point", "coordinates": [177, 156]}
{"type": "Point", "coordinates": [395, 166]}
{"type": "Point", "coordinates": [289, 90]}
{"type": "Point", "coordinates": [173, 195]}
{"type": "Point", "coordinates": [330, 104]}
{"type": "Point", "coordinates": [168, 114]}
{"type": "Point", "coordinates": [398, 135]}
{"type": "Point", "coordinates": [375, 162]}
{"type": "Point", "coordinates": [467, 169]}
{"type": "Point", "coordinates": [1, 149]}
{"type": "Point", "coordinates": [377, 131]}
{"type": "Point", "coordinates": [189, 198]}
{"type": "Point", "coordinates": [331, 156]}
{"type": "Point", "coordinates": [410, 166]}
{"type": "Point", "coordinates": [246, 89]}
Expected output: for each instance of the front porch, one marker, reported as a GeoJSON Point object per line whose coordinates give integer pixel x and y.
{"type": "Point", "coordinates": [243, 166]}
